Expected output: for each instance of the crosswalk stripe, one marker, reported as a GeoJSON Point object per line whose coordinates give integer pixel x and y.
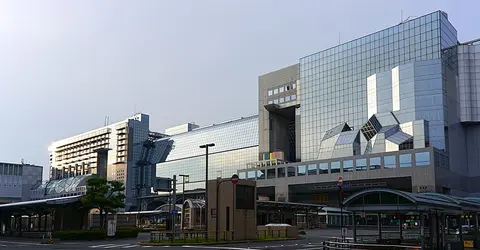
{"type": "Point", "coordinates": [116, 245]}
{"type": "Point", "coordinates": [129, 246]}
{"type": "Point", "coordinates": [102, 246]}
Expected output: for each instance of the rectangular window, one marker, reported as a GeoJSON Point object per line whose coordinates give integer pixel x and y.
{"type": "Point", "coordinates": [293, 97]}
{"type": "Point", "coordinates": [348, 166]}
{"type": "Point", "coordinates": [389, 161]}
{"type": "Point", "coordinates": [335, 167]}
{"type": "Point", "coordinates": [275, 101]}
{"type": "Point", "coordinates": [405, 160]}
{"type": "Point", "coordinates": [291, 171]}
{"type": "Point", "coordinates": [312, 169]}
{"type": "Point", "coordinates": [294, 86]}
{"type": "Point", "coordinates": [287, 98]}
{"type": "Point", "coordinates": [271, 173]}
{"type": "Point", "coordinates": [281, 172]}
{"type": "Point", "coordinates": [270, 102]}
{"type": "Point", "coordinates": [275, 91]}
{"type": "Point", "coordinates": [375, 163]}
{"type": "Point", "coordinates": [281, 100]}
{"type": "Point", "coordinates": [270, 92]}
{"type": "Point", "coordinates": [422, 159]}
{"type": "Point", "coordinates": [323, 168]}
{"type": "Point", "coordinates": [301, 170]}
{"type": "Point", "coordinates": [281, 90]}
{"type": "Point", "coordinates": [361, 164]}
{"type": "Point", "coordinates": [242, 175]}
{"type": "Point", "coordinates": [251, 175]}
{"type": "Point", "coordinates": [260, 174]}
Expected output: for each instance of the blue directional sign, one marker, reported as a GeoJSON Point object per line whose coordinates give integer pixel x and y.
{"type": "Point", "coordinates": [174, 211]}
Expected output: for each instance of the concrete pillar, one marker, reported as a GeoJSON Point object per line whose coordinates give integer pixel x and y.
{"type": "Point", "coordinates": [379, 222]}
{"type": "Point", "coordinates": [354, 227]}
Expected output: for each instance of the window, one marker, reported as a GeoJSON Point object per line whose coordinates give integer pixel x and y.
{"type": "Point", "coordinates": [335, 167]}
{"type": "Point", "coordinates": [287, 98]}
{"type": "Point", "coordinates": [389, 161]}
{"type": "Point", "coordinates": [375, 163]}
{"type": "Point", "coordinates": [251, 175]}
{"type": "Point", "coordinates": [348, 166]}
{"type": "Point", "coordinates": [281, 172]}
{"type": "Point", "coordinates": [293, 97]}
{"type": "Point", "coordinates": [422, 159]}
{"type": "Point", "coordinates": [275, 91]}
{"type": "Point", "coordinates": [275, 101]}
{"type": "Point", "coordinates": [301, 170]}
{"type": "Point", "coordinates": [323, 168]}
{"type": "Point", "coordinates": [281, 100]}
{"type": "Point", "coordinates": [242, 175]}
{"type": "Point", "coordinates": [291, 171]}
{"type": "Point", "coordinates": [361, 164]}
{"type": "Point", "coordinates": [312, 169]}
{"type": "Point", "coordinates": [270, 102]}
{"type": "Point", "coordinates": [294, 86]}
{"type": "Point", "coordinates": [260, 174]}
{"type": "Point", "coordinates": [281, 90]}
{"type": "Point", "coordinates": [270, 92]}
{"type": "Point", "coordinates": [271, 173]}
{"type": "Point", "coordinates": [287, 88]}
{"type": "Point", "coordinates": [405, 160]}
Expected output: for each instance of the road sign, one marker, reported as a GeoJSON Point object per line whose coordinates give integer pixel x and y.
{"type": "Point", "coordinates": [340, 181]}
{"type": "Point", "coordinates": [213, 213]}
{"type": "Point", "coordinates": [234, 179]}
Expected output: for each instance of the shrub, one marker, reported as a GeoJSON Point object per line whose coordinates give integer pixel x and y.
{"type": "Point", "coordinates": [94, 234]}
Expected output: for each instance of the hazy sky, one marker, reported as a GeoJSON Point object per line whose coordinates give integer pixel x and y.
{"type": "Point", "coordinates": [65, 65]}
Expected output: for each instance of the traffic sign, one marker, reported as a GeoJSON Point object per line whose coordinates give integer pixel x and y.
{"type": "Point", "coordinates": [340, 181]}
{"type": "Point", "coordinates": [234, 179]}
{"type": "Point", "coordinates": [174, 211]}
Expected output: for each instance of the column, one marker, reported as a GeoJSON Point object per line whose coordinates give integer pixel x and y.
{"type": "Point", "coordinates": [29, 222]}
{"type": "Point", "coordinates": [354, 227]}
{"type": "Point", "coordinates": [379, 222]}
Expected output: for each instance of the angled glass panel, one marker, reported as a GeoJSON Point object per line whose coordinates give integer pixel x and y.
{"type": "Point", "coordinates": [347, 137]}
{"type": "Point", "coordinates": [399, 137]}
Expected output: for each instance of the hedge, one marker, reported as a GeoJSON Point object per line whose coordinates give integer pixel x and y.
{"type": "Point", "coordinates": [94, 234]}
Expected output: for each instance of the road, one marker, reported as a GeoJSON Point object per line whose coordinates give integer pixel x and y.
{"type": "Point", "coordinates": [312, 241]}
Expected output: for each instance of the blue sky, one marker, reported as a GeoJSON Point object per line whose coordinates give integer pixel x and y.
{"type": "Point", "coordinates": [65, 65]}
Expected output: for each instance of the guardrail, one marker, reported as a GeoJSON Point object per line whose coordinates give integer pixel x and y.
{"type": "Point", "coordinates": [193, 236]}
{"type": "Point", "coordinates": [272, 234]}
{"type": "Point", "coordinates": [339, 245]}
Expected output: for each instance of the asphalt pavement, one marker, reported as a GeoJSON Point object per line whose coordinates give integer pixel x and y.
{"type": "Point", "coordinates": [312, 241]}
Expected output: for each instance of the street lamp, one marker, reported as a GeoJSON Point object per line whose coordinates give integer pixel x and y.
{"type": "Point", "coordinates": [206, 146]}
{"type": "Point", "coordinates": [184, 176]}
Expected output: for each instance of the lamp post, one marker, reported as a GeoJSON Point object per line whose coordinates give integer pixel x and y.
{"type": "Point", "coordinates": [206, 146]}
{"type": "Point", "coordinates": [184, 176]}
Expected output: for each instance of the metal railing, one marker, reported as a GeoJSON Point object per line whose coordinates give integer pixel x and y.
{"type": "Point", "coordinates": [191, 236]}
{"type": "Point", "coordinates": [272, 234]}
{"type": "Point", "coordinates": [339, 245]}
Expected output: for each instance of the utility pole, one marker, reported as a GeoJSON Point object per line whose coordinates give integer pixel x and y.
{"type": "Point", "coordinates": [207, 213]}
{"type": "Point", "coordinates": [174, 201]}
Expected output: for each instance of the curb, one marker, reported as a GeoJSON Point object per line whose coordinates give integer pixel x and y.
{"type": "Point", "coordinates": [211, 243]}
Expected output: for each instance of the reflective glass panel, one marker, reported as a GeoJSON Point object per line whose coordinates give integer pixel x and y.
{"type": "Point", "coordinates": [271, 173]}
{"type": "Point", "coordinates": [422, 159]}
{"type": "Point", "coordinates": [348, 166]}
{"type": "Point", "coordinates": [301, 170]}
{"type": "Point", "coordinates": [361, 164]}
{"type": "Point", "coordinates": [389, 161]}
{"type": "Point", "coordinates": [281, 172]}
{"type": "Point", "coordinates": [335, 167]}
{"type": "Point", "coordinates": [405, 160]}
{"type": "Point", "coordinates": [291, 171]}
{"type": "Point", "coordinates": [261, 174]}
{"type": "Point", "coordinates": [375, 163]}
{"type": "Point", "coordinates": [312, 169]}
{"type": "Point", "coordinates": [242, 175]}
{"type": "Point", "coordinates": [323, 168]}
{"type": "Point", "coordinates": [251, 175]}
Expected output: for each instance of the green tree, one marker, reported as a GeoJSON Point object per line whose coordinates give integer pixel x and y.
{"type": "Point", "coordinates": [106, 196]}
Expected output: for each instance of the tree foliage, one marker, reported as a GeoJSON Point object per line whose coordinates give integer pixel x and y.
{"type": "Point", "coordinates": [106, 196]}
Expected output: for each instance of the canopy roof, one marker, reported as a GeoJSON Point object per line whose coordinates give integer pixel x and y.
{"type": "Point", "coordinates": [390, 200]}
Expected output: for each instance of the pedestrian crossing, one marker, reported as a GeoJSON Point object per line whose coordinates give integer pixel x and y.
{"type": "Point", "coordinates": [117, 246]}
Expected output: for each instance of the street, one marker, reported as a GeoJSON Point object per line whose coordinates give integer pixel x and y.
{"type": "Point", "coordinates": [312, 241]}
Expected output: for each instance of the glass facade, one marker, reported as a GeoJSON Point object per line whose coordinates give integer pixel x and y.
{"type": "Point", "coordinates": [236, 144]}
{"type": "Point", "coordinates": [335, 82]}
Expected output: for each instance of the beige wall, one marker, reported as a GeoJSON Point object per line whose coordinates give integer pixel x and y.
{"type": "Point", "coordinates": [243, 223]}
